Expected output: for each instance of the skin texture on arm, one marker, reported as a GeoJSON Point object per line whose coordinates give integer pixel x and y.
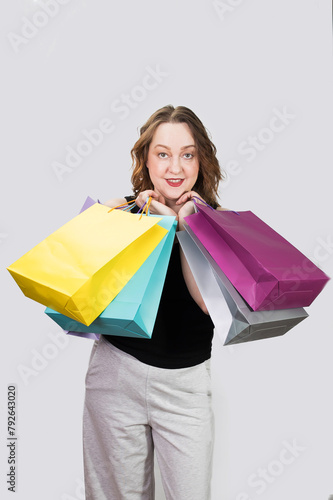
{"type": "Point", "coordinates": [114, 202]}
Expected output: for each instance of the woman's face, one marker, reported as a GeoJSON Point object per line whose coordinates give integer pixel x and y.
{"type": "Point", "coordinates": [173, 162]}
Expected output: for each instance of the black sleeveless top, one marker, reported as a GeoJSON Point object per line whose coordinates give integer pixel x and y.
{"type": "Point", "coordinates": [182, 335]}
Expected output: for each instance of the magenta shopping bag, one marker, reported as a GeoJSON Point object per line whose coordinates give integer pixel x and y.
{"type": "Point", "coordinates": [264, 267]}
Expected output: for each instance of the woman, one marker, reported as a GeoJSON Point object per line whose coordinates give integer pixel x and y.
{"type": "Point", "coordinates": [155, 395]}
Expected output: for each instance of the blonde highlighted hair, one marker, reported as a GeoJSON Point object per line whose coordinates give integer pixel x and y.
{"type": "Point", "coordinates": [209, 174]}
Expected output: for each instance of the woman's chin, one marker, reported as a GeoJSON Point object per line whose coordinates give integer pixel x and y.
{"type": "Point", "coordinates": [173, 194]}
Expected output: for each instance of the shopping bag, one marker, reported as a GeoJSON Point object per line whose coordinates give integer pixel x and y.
{"type": "Point", "coordinates": [91, 336]}
{"type": "Point", "coordinates": [264, 267]}
{"type": "Point", "coordinates": [88, 203]}
{"type": "Point", "coordinates": [82, 266]}
{"type": "Point", "coordinates": [133, 311]}
{"type": "Point", "coordinates": [217, 292]}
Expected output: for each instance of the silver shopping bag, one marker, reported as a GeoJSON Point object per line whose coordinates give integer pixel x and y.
{"type": "Point", "coordinates": [216, 290]}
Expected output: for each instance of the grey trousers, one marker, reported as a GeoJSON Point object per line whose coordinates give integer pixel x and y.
{"type": "Point", "coordinates": [133, 409]}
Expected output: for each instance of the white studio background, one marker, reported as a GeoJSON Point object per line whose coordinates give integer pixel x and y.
{"type": "Point", "coordinates": [71, 66]}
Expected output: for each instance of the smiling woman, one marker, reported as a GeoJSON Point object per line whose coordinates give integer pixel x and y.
{"type": "Point", "coordinates": [209, 174]}
{"type": "Point", "coordinates": [145, 396]}
{"type": "Point", "coordinates": [173, 167]}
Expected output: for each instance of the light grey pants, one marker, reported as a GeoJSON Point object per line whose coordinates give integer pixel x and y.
{"type": "Point", "coordinates": [131, 409]}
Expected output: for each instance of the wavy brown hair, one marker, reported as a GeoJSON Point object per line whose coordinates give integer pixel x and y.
{"type": "Point", "coordinates": [209, 174]}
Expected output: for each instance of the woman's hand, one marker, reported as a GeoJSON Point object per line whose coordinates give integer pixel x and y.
{"type": "Point", "coordinates": [188, 207]}
{"type": "Point", "coordinates": [188, 196]}
{"type": "Point", "coordinates": [157, 205]}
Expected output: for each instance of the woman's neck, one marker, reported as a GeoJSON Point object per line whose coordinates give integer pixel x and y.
{"type": "Point", "coordinates": [172, 204]}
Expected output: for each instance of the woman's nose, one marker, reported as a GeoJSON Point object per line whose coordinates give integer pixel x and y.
{"type": "Point", "coordinates": [175, 165]}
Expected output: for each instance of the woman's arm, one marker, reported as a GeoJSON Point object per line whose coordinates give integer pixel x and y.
{"type": "Point", "coordinates": [188, 209]}
{"type": "Point", "coordinates": [190, 283]}
{"type": "Point", "coordinates": [114, 202]}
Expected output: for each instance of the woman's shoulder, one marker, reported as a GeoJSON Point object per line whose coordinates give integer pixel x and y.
{"type": "Point", "coordinates": [114, 202]}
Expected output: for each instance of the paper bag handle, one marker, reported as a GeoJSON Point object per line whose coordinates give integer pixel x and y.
{"type": "Point", "coordinates": [203, 201]}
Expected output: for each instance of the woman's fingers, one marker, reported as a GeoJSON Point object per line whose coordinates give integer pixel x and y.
{"type": "Point", "coordinates": [142, 197]}
{"type": "Point", "coordinates": [158, 208]}
{"type": "Point", "coordinates": [184, 198]}
{"type": "Point", "coordinates": [187, 196]}
{"type": "Point", "coordinates": [157, 205]}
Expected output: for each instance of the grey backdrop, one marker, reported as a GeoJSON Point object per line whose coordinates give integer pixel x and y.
{"type": "Point", "coordinates": [259, 75]}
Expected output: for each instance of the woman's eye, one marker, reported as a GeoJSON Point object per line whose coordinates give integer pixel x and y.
{"type": "Point", "coordinates": [162, 155]}
{"type": "Point", "coordinates": [188, 156]}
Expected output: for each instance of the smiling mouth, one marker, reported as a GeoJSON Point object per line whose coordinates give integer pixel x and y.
{"type": "Point", "coordinates": [174, 182]}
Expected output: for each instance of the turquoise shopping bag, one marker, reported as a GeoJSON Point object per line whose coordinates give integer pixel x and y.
{"type": "Point", "coordinates": [133, 311]}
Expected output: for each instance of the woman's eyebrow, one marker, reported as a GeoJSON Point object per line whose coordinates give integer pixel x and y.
{"type": "Point", "coordinates": [167, 147]}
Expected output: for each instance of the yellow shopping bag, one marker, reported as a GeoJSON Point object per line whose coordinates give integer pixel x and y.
{"type": "Point", "coordinates": [81, 267]}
